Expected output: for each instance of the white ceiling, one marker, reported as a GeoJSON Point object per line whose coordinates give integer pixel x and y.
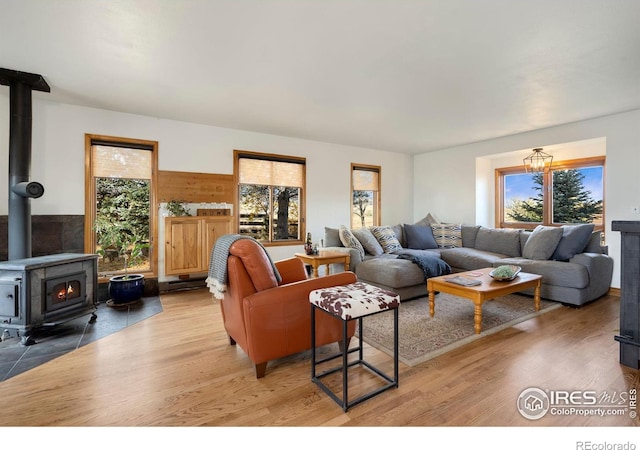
{"type": "Point", "coordinates": [400, 75]}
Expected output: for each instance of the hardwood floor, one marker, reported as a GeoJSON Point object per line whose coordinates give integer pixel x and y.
{"type": "Point", "coordinates": [178, 369]}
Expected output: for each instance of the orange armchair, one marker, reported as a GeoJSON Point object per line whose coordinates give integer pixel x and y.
{"type": "Point", "coordinates": [270, 319]}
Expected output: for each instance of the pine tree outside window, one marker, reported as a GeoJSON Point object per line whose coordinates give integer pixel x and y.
{"type": "Point", "coordinates": [571, 193]}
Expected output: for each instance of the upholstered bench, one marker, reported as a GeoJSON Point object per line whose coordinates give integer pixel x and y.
{"type": "Point", "coordinates": [347, 303]}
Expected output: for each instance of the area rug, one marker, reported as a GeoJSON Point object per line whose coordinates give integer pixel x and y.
{"type": "Point", "coordinates": [56, 341]}
{"type": "Point", "coordinates": [422, 337]}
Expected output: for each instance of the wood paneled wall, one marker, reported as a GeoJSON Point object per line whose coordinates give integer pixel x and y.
{"type": "Point", "coordinates": [193, 187]}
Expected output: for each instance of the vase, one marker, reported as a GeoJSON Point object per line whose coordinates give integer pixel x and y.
{"type": "Point", "coordinates": [126, 288]}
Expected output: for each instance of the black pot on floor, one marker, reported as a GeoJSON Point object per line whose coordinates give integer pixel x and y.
{"type": "Point", "coordinates": [126, 288]}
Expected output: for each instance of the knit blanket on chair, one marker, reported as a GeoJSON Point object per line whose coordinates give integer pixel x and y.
{"type": "Point", "coordinates": [218, 276]}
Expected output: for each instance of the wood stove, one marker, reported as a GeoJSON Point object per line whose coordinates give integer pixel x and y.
{"type": "Point", "coordinates": [46, 291]}
{"type": "Point", "coordinates": [629, 336]}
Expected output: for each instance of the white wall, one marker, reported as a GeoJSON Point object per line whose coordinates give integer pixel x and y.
{"type": "Point", "coordinates": [445, 181]}
{"type": "Point", "coordinates": [58, 161]}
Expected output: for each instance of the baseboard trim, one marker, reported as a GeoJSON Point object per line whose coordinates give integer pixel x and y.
{"type": "Point", "coordinates": [614, 292]}
{"type": "Point", "coordinates": [168, 286]}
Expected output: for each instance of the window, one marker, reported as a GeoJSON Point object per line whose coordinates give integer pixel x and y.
{"type": "Point", "coordinates": [270, 196]}
{"type": "Point", "coordinates": [120, 212]}
{"type": "Point", "coordinates": [365, 196]}
{"type": "Point", "coordinates": [572, 192]}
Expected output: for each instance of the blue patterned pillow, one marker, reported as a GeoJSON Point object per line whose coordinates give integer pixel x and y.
{"type": "Point", "coordinates": [386, 238]}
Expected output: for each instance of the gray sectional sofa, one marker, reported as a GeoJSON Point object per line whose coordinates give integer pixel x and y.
{"type": "Point", "coordinates": [573, 273]}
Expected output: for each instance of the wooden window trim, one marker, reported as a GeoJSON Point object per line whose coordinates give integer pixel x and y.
{"type": "Point", "coordinates": [90, 194]}
{"type": "Point", "coordinates": [237, 154]}
{"type": "Point", "coordinates": [372, 168]}
{"type": "Point", "coordinates": [547, 204]}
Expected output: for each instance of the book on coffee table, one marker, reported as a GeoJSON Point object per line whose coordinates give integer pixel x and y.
{"type": "Point", "coordinates": [464, 281]}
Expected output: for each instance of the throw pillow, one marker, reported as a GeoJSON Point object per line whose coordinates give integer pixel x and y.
{"type": "Point", "coordinates": [469, 233]}
{"type": "Point", "coordinates": [542, 242]}
{"type": "Point", "coordinates": [427, 220]}
{"type": "Point", "coordinates": [595, 243]}
{"type": "Point", "coordinates": [499, 240]}
{"type": "Point", "coordinates": [349, 240]}
{"type": "Point", "coordinates": [574, 240]}
{"type": "Point", "coordinates": [368, 241]}
{"type": "Point", "coordinates": [447, 235]}
{"type": "Point", "coordinates": [332, 237]}
{"type": "Point", "coordinates": [399, 232]}
{"type": "Point", "coordinates": [386, 238]}
{"type": "Point", "coordinates": [419, 237]}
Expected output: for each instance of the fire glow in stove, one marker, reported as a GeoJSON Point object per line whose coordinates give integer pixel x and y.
{"type": "Point", "coordinates": [46, 291]}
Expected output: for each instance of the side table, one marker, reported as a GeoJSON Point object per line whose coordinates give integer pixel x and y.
{"type": "Point", "coordinates": [325, 258]}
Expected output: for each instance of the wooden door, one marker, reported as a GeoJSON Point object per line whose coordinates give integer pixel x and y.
{"type": "Point", "coordinates": [184, 252]}
{"type": "Point", "coordinates": [214, 227]}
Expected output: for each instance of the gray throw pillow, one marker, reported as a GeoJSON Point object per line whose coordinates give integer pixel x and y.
{"type": "Point", "coordinates": [499, 240]}
{"type": "Point", "coordinates": [427, 220]}
{"type": "Point", "coordinates": [368, 241]}
{"type": "Point", "coordinates": [542, 242]}
{"type": "Point", "coordinates": [419, 237]}
{"type": "Point", "coordinates": [332, 237]}
{"type": "Point", "coordinates": [595, 243]}
{"type": "Point", "coordinates": [574, 240]}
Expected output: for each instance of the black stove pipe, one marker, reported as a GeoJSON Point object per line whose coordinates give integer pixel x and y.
{"type": "Point", "coordinates": [21, 190]}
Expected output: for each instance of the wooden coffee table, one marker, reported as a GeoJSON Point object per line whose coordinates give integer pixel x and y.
{"type": "Point", "coordinates": [489, 289]}
{"type": "Point", "coordinates": [324, 258]}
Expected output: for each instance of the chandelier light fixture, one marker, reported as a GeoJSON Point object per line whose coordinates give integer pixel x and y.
{"type": "Point", "coordinates": [538, 161]}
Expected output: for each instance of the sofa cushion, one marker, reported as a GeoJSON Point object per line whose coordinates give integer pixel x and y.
{"type": "Point", "coordinates": [390, 271]}
{"type": "Point", "coordinates": [542, 242]}
{"type": "Point", "coordinates": [554, 273]}
{"type": "Point", "coordinates": [350, 241]}
{"type": "Point", "coordinates": [419, 237]}
{"type": "Point", "coordinates": [469, 234]}
{"type": "Point", "coordinates": [386, 238]}
{"type": "Point", "coordinates": [499, 240]}
{"type": "Point", "coordinates": [595, 243]}
{"type": "Point", "coordinates": [574, 239]}
{"type": "Point", "coordinates": [427, 220]}
{"type": "Point", "coordinates": [469, 258]}
{"type": "Point", "coordinates": [368, 241]}
{"type": "Point", "coordinates": [398, 230]}
{"type": "Point", "coordinates": [447, 235]}
{"type": "Point", "coordinates": [332, 237]}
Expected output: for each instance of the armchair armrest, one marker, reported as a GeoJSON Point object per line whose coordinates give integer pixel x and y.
{"type": "Point", "coordinates": [291, 270]}
{"type": "Point", "coordinates": [277, 319]}
{"type": "Point", "coordinates": [294, 293]}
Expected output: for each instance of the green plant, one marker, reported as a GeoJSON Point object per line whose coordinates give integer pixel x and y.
{"type": "Point", "coordinates": [504, 272]}
{"type": "Point", "coordinates": [178, 208]}
{"type": "Point", "coordinates": [122, 239]}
